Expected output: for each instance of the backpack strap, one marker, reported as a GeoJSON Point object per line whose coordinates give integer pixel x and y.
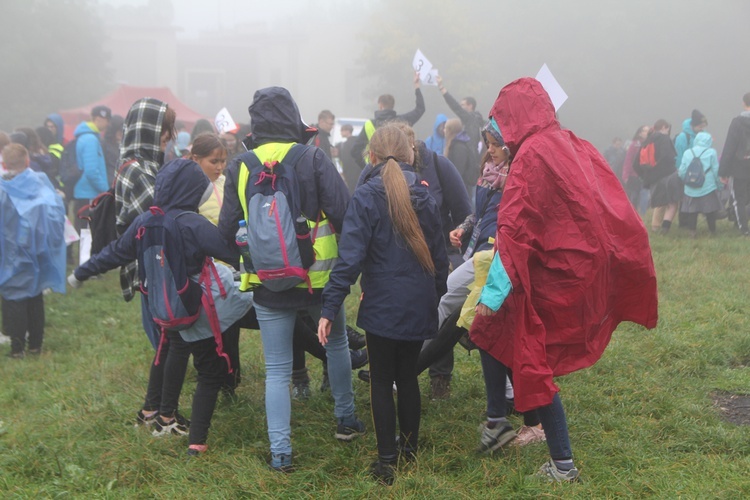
{"type": "Point", "coordinates": [207, 274]}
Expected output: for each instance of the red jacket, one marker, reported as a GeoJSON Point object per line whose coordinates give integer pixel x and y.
{"type": "Point", "coordinates": [576, 252]}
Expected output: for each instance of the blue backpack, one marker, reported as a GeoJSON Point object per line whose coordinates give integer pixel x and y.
{"type": "Point", "coordinates": [174, 299]}
{"type": "Point", "coordinates": [278, 233]}
{"type": "Point", "coordinates": [695, 177]}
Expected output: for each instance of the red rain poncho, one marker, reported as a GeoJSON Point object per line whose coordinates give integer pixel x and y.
{"type": "Point", "coordinates": [576, 252]}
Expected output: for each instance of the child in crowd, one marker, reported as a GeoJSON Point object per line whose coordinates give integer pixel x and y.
{"type": "Point", "coordinates": [702, 199]}
{"type": "Point", "coordinates": [181, 187]}
{"type": "Point", "coordinates": [391, 235]}
{"type": "Point", "coordinates": [32, 249]}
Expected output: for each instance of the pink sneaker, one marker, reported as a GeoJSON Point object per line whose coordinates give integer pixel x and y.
{"type": "Point", "coordinates": [529, 435]}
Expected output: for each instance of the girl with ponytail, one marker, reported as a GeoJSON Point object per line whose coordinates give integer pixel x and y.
{"type": "Point", "coordinates": [391, 235]}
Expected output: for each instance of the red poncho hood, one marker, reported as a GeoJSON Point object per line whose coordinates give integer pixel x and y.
{"type": "Point", "coordinates": [576, 252]}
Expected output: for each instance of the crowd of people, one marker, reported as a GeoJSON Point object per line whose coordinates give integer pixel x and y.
{"type": "Point", "coordinates": [716, 186]}
{"type": "Point", "coordinates": [510, 235]}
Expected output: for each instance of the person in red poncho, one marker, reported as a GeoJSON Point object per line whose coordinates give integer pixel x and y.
{"type": "Point", "coordinates": [573, 261]}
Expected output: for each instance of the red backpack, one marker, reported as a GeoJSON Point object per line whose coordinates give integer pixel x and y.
{"type": "Point", "coordinates": [647, 158]}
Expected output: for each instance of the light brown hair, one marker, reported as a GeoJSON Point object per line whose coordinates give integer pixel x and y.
{"type": "Point", "coordinates": [168, 123]}
{"type": "Point", "coordinates": [453, 127]}
{"type": "Point", "coordinates": [15, 157]}
{"type": "Point", "coordinates": [205, 144]}
{"type": "Point", "coordinates": [391, 145]}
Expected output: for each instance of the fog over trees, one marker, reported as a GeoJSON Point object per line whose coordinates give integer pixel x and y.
{"type": "Point", "coordinates": [622, 64]}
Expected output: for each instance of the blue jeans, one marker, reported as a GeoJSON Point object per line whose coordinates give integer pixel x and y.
{"type": "Point", "coordinates": [552, 416]}
{"type": "Point", "coordinates": [277, 332]}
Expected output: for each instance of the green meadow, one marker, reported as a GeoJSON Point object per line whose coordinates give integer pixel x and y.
{"type": "Point", "coordinates": [646, 421]}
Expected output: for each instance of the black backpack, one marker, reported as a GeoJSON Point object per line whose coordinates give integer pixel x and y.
{"type": "Point", "coordinates": [694, 175]}
{"type": "Point", "coordinates": [70, 171]}
{"type": "Point", "coordinates": [101, 216]}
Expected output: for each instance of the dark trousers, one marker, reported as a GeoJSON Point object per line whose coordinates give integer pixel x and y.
{"type": "Point", "coordinates": [166, 378]}
{"type": "Point", "coordinates": [21, 316]}
{"type": "Point", "coordinates": [305, 340]}
{"type": "Point", "coordinates": [231, 340]}
{"type": "Point", "coordinates": [394, 361]}
{"type": "Point", "coordinates": [212, 375]}
{"type": "Point", "coordinates": [551, 416]}
{"type": "Point", "coordinates": [690, 221]}
{"type": "Point", "coordinates": [741, 193]}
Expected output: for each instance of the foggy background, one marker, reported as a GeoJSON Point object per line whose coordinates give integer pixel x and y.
{"type": "Point", "coordinates": [622, 63]}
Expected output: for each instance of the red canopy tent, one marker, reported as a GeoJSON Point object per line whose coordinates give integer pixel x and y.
{"type": "Point", "coordinates": [120, 100]}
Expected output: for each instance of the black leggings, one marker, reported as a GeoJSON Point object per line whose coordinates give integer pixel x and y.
{"type": "Point", "coordinates": [21, 316]}
{"type": "Point", "coordinates": [690, 220]}
{"type": "Point", "coordinates": [212, 374]}
{"type": "Point", "coordinates": [394, 361]}
{"type": "Point", "coordinates": [165, 379]}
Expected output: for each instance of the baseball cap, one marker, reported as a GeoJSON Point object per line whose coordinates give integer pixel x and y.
{"type": "Point", "coordinates": [101, 111]}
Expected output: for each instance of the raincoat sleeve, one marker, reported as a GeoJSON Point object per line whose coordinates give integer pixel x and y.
{"type": "Point", "coordinates": [415, 114]}
{"type": "Point", "coordinates": [498, 285]}
{"type": "Point", "coordinates": [355, 239]}
{"type": "Point", "coordinates": [118, 253]}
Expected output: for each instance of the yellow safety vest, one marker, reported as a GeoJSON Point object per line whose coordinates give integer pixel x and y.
{"type": "Point", "coordinates": [56, 150]}
{"type": "Point", "coordinates": [369, 130]}
{"type": "Point", "coordinates": [324, 240]}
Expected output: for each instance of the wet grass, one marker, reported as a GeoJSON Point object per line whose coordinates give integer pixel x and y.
{"type": "Point", "coordinates": [642, 420]}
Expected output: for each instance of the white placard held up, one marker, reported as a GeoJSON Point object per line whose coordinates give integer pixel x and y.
{"type": "Point", "coordinates": [553, 88]}
{"type": "Point", "coordinates": [422, 65]}
{"type": "Point", "coordinates": [224, 122]}
{"type": "Point", "coordinates": [431, 78]}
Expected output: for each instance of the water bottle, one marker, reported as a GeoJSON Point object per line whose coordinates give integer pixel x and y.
{"type": "Point", "coordinates": [241, 240]}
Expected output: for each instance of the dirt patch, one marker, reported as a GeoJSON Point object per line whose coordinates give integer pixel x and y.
{"type": "Point", "coordinates": [734, 408]}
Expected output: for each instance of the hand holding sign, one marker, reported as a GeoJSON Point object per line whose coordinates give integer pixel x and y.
{"type": "Point", "coordinates": [423, 67]}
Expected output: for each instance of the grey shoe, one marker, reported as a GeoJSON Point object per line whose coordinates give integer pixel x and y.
{"type": "Point", "coordinates": [495, 437]}
{"type": "Point", "coordinates": [349, 430]}
{"type": "Point", "coordinates": [552, 474]}
{"type": "Point", "coordinates": [301, 391]}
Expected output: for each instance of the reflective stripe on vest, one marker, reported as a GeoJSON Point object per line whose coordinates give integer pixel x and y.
{"type": "Point", "coordinates": [324, 244]}
{"type": "Point", "coordinates": [55, 150]}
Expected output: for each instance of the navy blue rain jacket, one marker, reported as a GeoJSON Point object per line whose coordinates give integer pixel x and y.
{"type": "Point", "coordinates": [180, 184]}
{"type": "Point", "coordinates": [486, 214]}
{"type": "Point", "coordinates": [400, 298]}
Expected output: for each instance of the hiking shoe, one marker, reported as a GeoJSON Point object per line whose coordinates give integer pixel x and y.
{"type": "Point", "coordinates": [552, 474]}
{"type": "Point", "coordinates": [494, 438]}
{"type": "Point", "coordinates": [178, 426]}
{"type": "Point", "coordinates": [529, 435]}
{"type": "Point", "coordinates": [359, 358]}
{"type": "Point", "coordinates": [36, 351]}
{"type": "Point", "coordinates": [16, 355]}
{"type": "Point", "coordinates": [195, 450]}
{"type": "Point", "coordinates": [356, 339]}
{"type": "Point", "coordinates": [142, 419]}
{"type": "Point", "coordinates": [301, 391]}
{"type": "Point", "coordinates": [440, 387]}
{"type": "Point", "coordinates": [281, 463]}
{"type": "Point", "coordinates": [364, 376]}
{"type": "Point", "coordinates": [383, 472]}
{"type": "Point", "coordinates": [349, 430]}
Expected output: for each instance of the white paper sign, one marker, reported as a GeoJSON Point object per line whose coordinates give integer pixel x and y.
{"type": "Point", "coordinates": [224, 122]}
{"type": "Point", "coordinates": [84, 247]}
{"type": "Point", "coordinates": [424, 67]}
{"type": "Point", "coordinates": [431, 78]}
{"type": "Point", "coordinates": [553, 88]}
{"type": "Point", "coordinates": [70, 234]}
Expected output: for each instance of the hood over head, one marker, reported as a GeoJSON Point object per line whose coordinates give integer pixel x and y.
{"type": "Point", "coordinates": [59, 123]}
{"type": "Point", "coordinates": [523, 108]}
{"type": "Point", "coordinates": [703, 140]}
{"type": "Point", "coordinates": [274, 117]}
{"type": "Point", "coordinates": [180, 185]}
{"type": "Point", "coordinates": [687, 127]}
{"type": "Point", "coordinates": [142, 130]}
{"type": "Point", "coordinates": [440, 118]}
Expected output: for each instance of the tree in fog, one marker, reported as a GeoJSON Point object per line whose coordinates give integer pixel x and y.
{"type": "Point", "coordinates": [53, 58]}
